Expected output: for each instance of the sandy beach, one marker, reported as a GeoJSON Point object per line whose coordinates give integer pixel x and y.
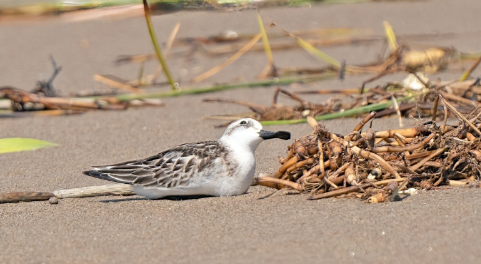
{"type": "Point", "coordinates": [440, 226]}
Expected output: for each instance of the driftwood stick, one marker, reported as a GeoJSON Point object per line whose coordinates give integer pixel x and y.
{"type": "Point", "coordinates": [91, 191]}
{"type": "Point", "coordinates": [15, 197]}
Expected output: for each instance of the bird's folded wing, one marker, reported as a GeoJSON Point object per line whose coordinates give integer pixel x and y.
{"type": "Point", "coordinates": [176, 167]}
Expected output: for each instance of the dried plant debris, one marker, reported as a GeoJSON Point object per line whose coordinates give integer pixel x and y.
{"type": "Point", "coordinates": [414, 97]}
{"type": "Point", "coordinates": [378, 166]}
{"type": "Point", "coordinates": [404, 56]}
{"type": "Point", "coordinates": [281, 112]}
{"type": "Point", "coordinates": [45, 100]}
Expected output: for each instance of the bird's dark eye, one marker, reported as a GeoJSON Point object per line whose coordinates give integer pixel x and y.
{"type": "Point", "coordinates": [243, 122]}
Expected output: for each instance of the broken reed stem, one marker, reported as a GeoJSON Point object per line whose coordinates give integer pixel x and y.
{"type": "Point", "coordinates": [401, 141]}
{"type": "Point", "coordinates": [419, 155]}
{"type": "Point", "coordinates": [116, 84]}
{"type": "Point", "coordinates": [312, 122]}
{"type": "Point", "coordinates": [401, 149]}
{"type": "Point", "coordinates": [276, 183]}
{"type": "Point", "coordinates": [398, 112]}
{"type": "Point", "coordinates": [321, 157]}
{"type": "Point", "coordinates": [333, 185]}
{"type": "Point", "coordinates": [278, 174]}
{"type": "Point", "coordinates": [457, 183]}
{"type": "Point", "coordinates": [395, 193]}
{"type": "Point", "coordinates": [336, 176]}
{"type": "Point", "coordinates": [300, 164]}
{"type": "Point", "coordinates": [360, 125]}
{"type": "Point", "coordinates": [314, 169]}
{"type": "Point", "coordinates": [434, 154]}
{"type": "Point", "coordinates": [435, 108]}
{"type": "Point", "coordinates": [353, 189]}
{"type": "Point", "coordinates": [407, 132]}
{"type": "Point", "coordinates": [446, 115]}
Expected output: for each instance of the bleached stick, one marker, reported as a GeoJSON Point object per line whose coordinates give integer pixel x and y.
{"type": "Point", "coordinates": [111, 189]}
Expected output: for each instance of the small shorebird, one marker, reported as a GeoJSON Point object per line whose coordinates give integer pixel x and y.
{"type": "Point", "coordinates": [211, 168]}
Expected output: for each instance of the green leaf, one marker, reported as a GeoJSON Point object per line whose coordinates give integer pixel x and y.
{"type": "Point", "coordinates": [22, 144]}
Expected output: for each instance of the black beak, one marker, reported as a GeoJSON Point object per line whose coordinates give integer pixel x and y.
{"type": "Point", "coordinates": [279, 134]}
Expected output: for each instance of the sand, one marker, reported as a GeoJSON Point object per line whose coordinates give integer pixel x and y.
{"type": "Point", "coordinates": [433, 226]}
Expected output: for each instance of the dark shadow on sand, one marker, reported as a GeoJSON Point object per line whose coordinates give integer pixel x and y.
{"type": "Point", "coordinates": [171, 198]}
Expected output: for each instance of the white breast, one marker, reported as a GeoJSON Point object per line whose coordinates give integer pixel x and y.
{"type": "Point", "coordinates": [243, 174]}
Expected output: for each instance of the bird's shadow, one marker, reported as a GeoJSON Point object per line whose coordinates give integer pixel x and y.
{"type": "Point", "coordinates": [398, 198]}
{"type": "Point", "coordinates": [275, 192]}
{"type": "Point", "coordinates": [169, 198]}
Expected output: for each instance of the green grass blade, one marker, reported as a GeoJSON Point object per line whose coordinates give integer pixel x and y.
{"type": "Point", "coordinates": [468, 72]}
{"type": "Point", "coordinates": [216, 88]}
{"type": "Point", "coordinates": [158, 51]}
{"type": "Point", "coordinates": [317, 52]}
{"type": "Point", "coordinates": [22, 144]}
{"type": "Point", "coordinates": [265, 40]}
{"type": "Point", "coordinates": [390, 36]}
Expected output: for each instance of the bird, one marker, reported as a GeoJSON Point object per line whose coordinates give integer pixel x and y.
{"type": "Point", "coordinates": [224, 167]}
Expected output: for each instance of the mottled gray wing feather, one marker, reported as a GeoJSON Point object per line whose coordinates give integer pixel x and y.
{"type": "Point", "coordinates": [171, 168]}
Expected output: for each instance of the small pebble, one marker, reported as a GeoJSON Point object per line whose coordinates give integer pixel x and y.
{"type": "Point", "coordinates": [53, 200]}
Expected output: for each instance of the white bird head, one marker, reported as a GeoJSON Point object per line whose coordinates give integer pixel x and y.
{"type": "Point", "coordinates": [248, 132]}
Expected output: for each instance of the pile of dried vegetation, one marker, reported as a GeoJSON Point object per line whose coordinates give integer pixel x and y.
{"type": "Point", "coordinates": [379, 165]}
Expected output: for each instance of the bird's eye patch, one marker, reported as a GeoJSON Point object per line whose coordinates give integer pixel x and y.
{"type": "Point", "coordinates": [243, 122]}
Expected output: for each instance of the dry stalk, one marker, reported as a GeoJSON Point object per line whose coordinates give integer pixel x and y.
{"type": "Point", "coordinates": [284, 167]}
{"type": "Point", "coordinates": [401, 149]}
{"type": "Point", "coordinates": [422, 162]}
{"type": "Point", "coordinates": [460, 116]}
{"type": "Point", "coordinates": [276, 183]}
{"type": "Point", "coordinates": [352, 189]}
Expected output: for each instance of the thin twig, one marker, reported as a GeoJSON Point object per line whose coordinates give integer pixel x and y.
{"type": "Point", "coordinates": [459, 115]}
{"type": "Point", "coordinates": [353, 189]}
